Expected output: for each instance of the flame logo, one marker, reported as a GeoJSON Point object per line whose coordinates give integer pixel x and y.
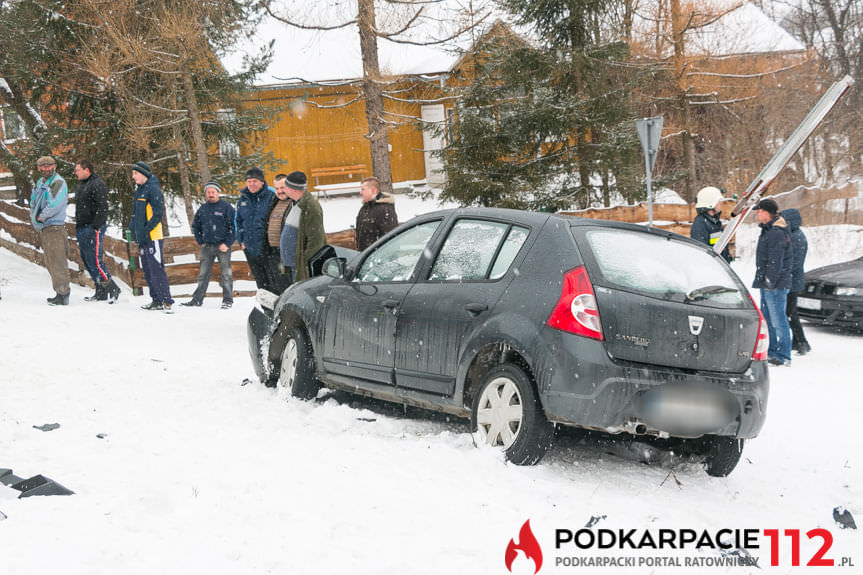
{"type": "Point", "coordinates": [528, 544]}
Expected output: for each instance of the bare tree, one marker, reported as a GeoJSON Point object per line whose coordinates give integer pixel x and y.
{"type": "Point", "coordinates": [834, 29]}
{"type": "Point", "coordinates": [720, 102]}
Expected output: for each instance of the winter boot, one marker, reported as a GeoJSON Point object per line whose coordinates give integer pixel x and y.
{"type": "Point", "coordinates": [59, 300]}
{"type": "Point", "coordinates": [100, 295]}
{"type": "Point", "coordinates": [112, 290]}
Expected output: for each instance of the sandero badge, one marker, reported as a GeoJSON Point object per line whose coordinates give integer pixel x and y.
{"type": "Point", "coordinates": [528, 545]}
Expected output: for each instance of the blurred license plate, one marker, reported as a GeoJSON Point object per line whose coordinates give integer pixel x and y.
{"type": "Point", "coordinates": [808, 303]}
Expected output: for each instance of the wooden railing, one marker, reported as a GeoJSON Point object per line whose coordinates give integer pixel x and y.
{"type": "Point", "coordinates": [818, 207]}
{"type": "Point", "coordinates": [836, 205]}
{"type": "Point", "coordinates": [121, 257]}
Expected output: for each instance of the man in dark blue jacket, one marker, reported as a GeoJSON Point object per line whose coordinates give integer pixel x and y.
{"type": "Point", "coordinates": [146, 226]}
{"type": "Point", "coordinates": [773, 261]}
{"type": "Point", "coordinates": [799, 247]}
{"type": "Point", "coordinates": [252, 209]}
{"type": "Point", "coordinates": [213, 227]}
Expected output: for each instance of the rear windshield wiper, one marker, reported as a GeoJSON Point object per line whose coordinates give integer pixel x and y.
{"type": "Point", "coordinates": [703, 292]}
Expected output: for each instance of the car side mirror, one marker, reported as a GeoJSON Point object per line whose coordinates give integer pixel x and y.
{"type": "Point", "coordinates": [335, 267]}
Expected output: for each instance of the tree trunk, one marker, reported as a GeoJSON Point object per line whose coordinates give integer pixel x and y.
{"type": "Point", "coordinates": [197, 133]}
{"type": "Point", "coordinates": [378, 136]}
{"type": "Point", "coordinates": [182, 169]}
{"type": "Point", "coordinates": [678, 24]}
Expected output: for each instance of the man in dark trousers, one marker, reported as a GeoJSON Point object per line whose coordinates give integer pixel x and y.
{"type": "Point", "coordinates": [774, 260]}
{"type": "Point", "coordinates": [252, 209]}
{"type": "Point", "coordinates": [213, 227]}
{"type": "Point", "coordinates": [146, 226]}
{"type": "Point", "coordinates": [799, 247]}
{"type": "Point", "coordinates": [377, 216]}
{"type": "Point", "coordinates": [280, 206]}
{"type": "Point", "coordinates": [91, 221]}
{"type": "Point", "coordinates": [707, 227]}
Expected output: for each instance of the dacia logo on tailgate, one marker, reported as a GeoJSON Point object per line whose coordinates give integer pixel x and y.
{"type": "Point", "coordinates": [695, 324]}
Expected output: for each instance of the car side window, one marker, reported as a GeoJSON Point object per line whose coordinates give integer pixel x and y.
{"type": "Point", "coordinates": [471, 246]}
{"type": "Point", "coordinates": [511, 246]}
{"type": "Point", "coordinates": [395, 260]}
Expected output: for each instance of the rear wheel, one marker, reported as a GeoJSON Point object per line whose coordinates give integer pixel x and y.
{"type": "Point", "coordinates": [722, 453]}
{"type": "Point", "coordinates": [297, 372]}
{"type": "Point", "coordinates": [506, 414]}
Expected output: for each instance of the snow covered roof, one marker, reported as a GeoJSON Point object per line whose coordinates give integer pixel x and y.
{"type": "Point", "coordinates": [746, 30]}
{"type": "Point", "coordinates": [335, 54]}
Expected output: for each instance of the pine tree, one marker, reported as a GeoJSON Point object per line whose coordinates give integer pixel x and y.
{"type": "Point", "coordinates": [544, 123]}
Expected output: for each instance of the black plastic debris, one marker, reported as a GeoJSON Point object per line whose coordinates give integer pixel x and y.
{"type": "Point", "coordinates": [47, 427]}
{"type": "Point", "coordinates": [594, 519]}
{"type": "Point", "coordinates": [844, 519]}
{"type": "Point", "coordinates": [36, 485]}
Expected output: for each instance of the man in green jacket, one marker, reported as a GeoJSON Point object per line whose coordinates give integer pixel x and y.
{"type": "Point", "coordinates": [303, 233]}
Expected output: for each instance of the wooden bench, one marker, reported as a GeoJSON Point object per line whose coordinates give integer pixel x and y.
{"type": "Point", "coordinates": [344, 171]}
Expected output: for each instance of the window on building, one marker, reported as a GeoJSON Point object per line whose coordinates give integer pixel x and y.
{"type": "Point", "coordinates": [229, 149]}
{"type": "Point", "coordinates": [11, 126]}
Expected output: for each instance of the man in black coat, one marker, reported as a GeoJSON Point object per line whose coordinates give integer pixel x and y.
{"type": "Point", "coordinates": [377, 216]}
{"type": "Point", "coordinates": [91, 220]}
{"type": "Point", "coordinates": [799, 247]}
{"type": "Point", "coordinates": [774, 260]}
{"type": "Point", "coordinates": [213, 226]}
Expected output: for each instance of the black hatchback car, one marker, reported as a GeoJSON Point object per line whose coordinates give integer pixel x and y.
{"type": "Point", "coordinates": [833, 295]}
{"type": "Point", "coordinates": [520, 321]}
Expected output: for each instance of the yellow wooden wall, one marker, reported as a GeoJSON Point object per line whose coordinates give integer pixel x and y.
{"type": "Point", "coordinates": [305, 136]}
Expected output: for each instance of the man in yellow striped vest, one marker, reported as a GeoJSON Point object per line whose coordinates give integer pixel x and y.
{"type": "Point", "coordinates": [146, 226]}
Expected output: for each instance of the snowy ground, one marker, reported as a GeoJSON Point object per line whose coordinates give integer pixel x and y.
{"type": "Point", "coordinates": [179, 468]}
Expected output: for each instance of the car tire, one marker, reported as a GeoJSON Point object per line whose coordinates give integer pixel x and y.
{"type": "Point", "coordinates": [524, 434]}
{"type": "Point", "coordinates": [297, 370]}
{"type": "Point", "coordinates": [722, 453]}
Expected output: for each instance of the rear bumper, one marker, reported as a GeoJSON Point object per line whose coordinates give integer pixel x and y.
{"type": "Point", "coordinates": [618, 396]}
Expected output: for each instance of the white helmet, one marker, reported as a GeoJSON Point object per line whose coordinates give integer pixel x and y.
{"type": "Point", "coordinates": [708, 197]}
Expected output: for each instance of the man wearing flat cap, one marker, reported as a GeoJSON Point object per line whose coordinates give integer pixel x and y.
{"type": "Point", "coordinates": [774, 261]}
{"type": "Point", "coordinates": [303, 231]}
{"type": "Point", "coordinates": [146, 227]}
{"type": "Point", "coordinates": [48, 216]}
{"type": "Point", "coordinates": [213, 226]}
{"type": "Point", "coordinates": [252, 209]}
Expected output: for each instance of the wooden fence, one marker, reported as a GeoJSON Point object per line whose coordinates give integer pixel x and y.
{"type": "Point", "coordinates": [121, 257]}
{"type": "Point", "coordinates": [840, 204]}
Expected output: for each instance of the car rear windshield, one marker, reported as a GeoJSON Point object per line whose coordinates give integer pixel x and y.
{"type": "Point", "coordinates": [661, 266]}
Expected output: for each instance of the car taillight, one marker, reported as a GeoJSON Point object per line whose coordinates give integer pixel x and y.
{"type": "Point", "coordinates": [762, 342]}
{"type": "Point", "coordinates": [576, 310]}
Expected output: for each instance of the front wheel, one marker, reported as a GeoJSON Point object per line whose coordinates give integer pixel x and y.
{"type": "Point", "coordinates": [506, 414]}
{"type": "Point", "coordinates": [722, 454]}
{"type": "Point", "coordinates": [297, 372]}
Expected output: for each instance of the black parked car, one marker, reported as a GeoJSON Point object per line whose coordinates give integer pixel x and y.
{"type": "Point", "coordinates": [834, 295]}
{"type": "Point", "coordinates": [523, 320]}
